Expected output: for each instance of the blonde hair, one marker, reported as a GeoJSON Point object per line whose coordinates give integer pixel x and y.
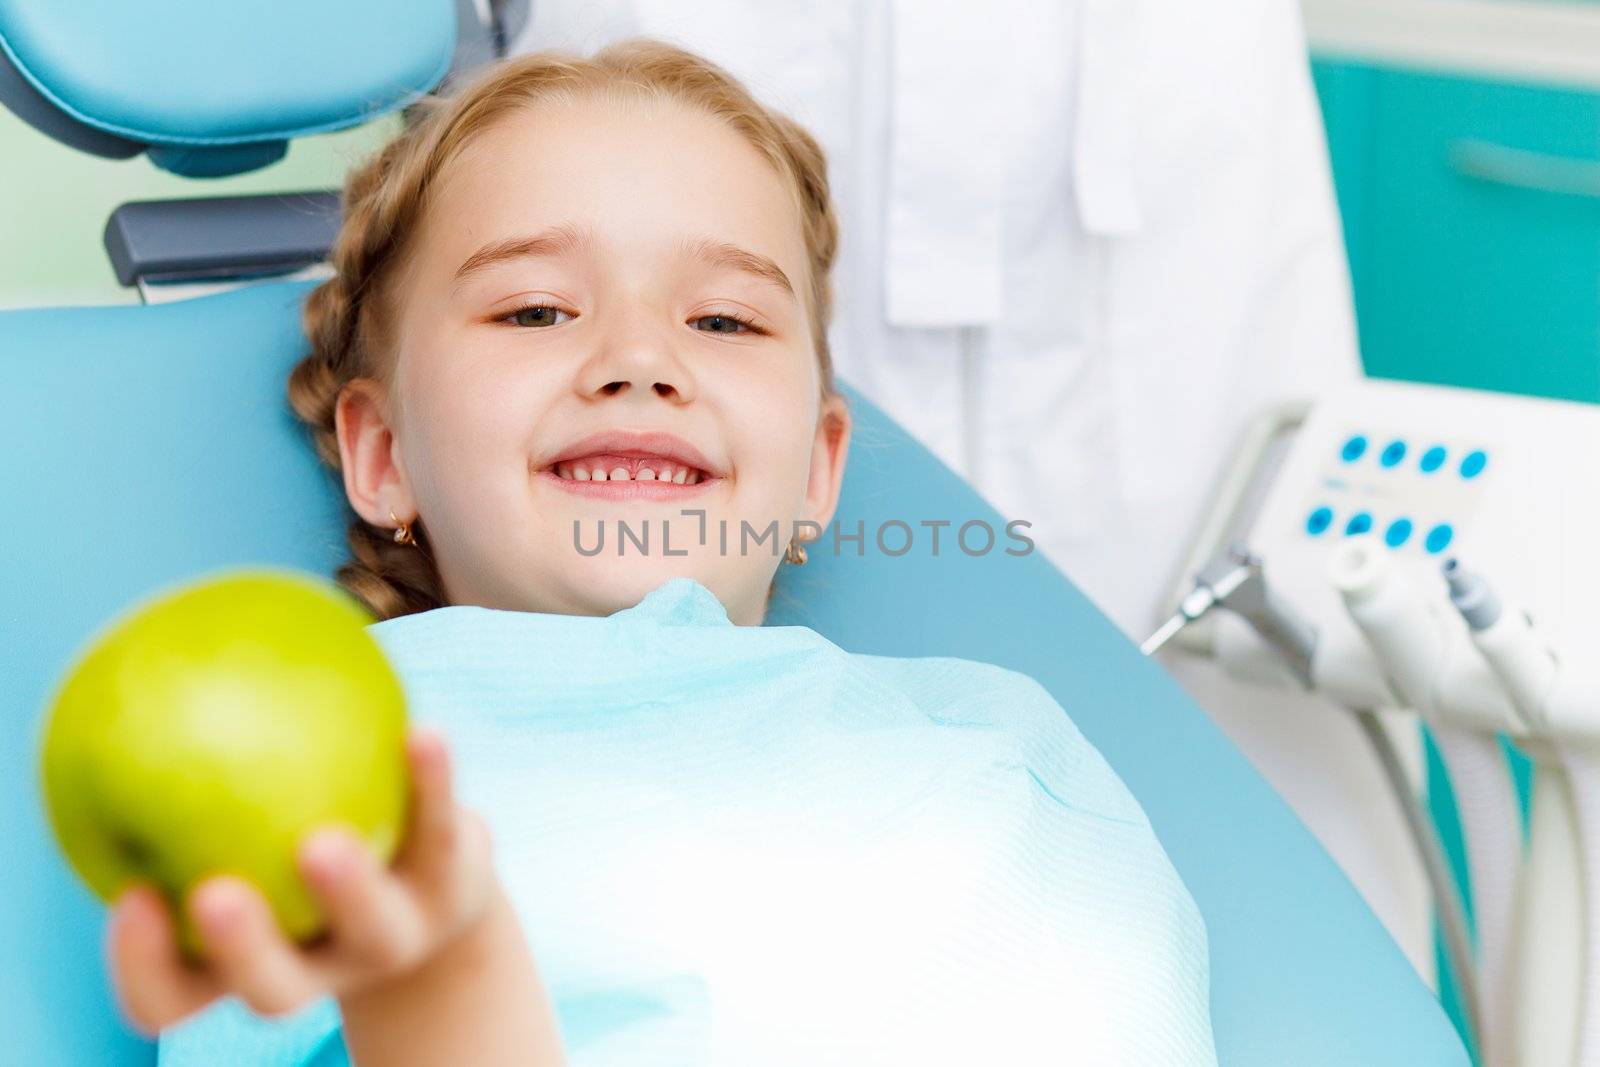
{"type": "Point", "coordinates": [384, 201]}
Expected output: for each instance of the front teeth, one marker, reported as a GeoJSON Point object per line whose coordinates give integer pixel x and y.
{"type": "Point", "coordinates": [666, 473]}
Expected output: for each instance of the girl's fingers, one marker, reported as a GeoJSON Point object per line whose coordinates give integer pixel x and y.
{"type": "Point", "coordinates": [246, 949]}
{"type": "Point", "coordinates": [374, 921]}
{"type": "Point", "coordinates": [155, 987]}
{"type": "Point", "coordinates": [445, 861]}
{"type": "Point", "coordinates": [431, 831]}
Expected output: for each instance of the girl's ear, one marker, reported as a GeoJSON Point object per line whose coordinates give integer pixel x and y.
{"type": "Point", "coordinates": [828, 454]}
{"type": "Point", "coordinates": [374, 479]}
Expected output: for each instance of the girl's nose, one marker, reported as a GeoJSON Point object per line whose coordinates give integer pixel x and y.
{"type": "Point", "coordinates": [638, 362]}
{"type": "Point", "coordinates": [663, 389]}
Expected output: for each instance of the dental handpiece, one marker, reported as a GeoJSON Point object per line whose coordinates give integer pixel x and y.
{"type": "Point", "coordinates": [1409, 643]}
{"type": "Point", "coordinates": [1507, 641]}
{"type": "Point", "coordinates": [1199, 600]}
{"type": "Point", "coordinates": [1237, 581]}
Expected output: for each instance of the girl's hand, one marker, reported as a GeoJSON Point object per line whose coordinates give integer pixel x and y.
{"type": "Point", "coordinates": [382, 922]}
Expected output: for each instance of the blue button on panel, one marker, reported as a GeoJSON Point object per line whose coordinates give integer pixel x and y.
{"type": "Point", "coordinates": [1398, 533]}
{"type": "Point", "coordinates": [1433, 459]}
{"type": "Point", "coordinates": [1393, 453]}
{"type": "Point", "coordinates": [1360, 523]}
{"type": "Point", "coordinates": [1473, 463]}
{"type": "Point", "coordinates": [1318, 521]}
{"type": "Point", "coordinates": [1353, 449]}
{"type": "Point", "coordinates": [1439, 538]}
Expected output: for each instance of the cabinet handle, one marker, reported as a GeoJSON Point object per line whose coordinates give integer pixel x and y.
{"type": "Point", "coordinates": [1521, 169]}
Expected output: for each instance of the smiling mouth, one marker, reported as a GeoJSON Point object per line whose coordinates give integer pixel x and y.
{"type": "Point", "coordinates": [615, 467]}
{"type": "Point", "coordinates": [629, 476]}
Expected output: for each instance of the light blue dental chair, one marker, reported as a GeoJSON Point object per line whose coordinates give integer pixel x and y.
{"type": "Point", "coordinates": [144, 445]}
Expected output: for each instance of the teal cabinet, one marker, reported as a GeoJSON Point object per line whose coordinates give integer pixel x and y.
{"type": "Point", "coordinates": [1472, 220]}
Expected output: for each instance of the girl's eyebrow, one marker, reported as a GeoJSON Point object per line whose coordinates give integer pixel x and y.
{"type": "Point", "coordinates": [723, 254]}
{"type": "Point", "coordinates": [556, 241]}
{"type": "Point", "coordinates": [564, 239]}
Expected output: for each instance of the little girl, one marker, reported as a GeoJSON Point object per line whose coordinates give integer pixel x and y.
{"type": "Point", "coordinates": [583, 300]}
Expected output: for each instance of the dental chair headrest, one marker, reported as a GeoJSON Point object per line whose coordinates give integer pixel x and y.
{"type": "Point", "coordinates": [214, 87]}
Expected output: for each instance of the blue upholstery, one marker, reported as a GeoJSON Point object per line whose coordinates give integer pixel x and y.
{"type": "Point", "coordinates": [144, 445]}
{"type": "Point", "coordinates": [205, 83]}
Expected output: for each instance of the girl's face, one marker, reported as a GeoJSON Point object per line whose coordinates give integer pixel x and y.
{"type": "Point", "coordinates": [600, 288]}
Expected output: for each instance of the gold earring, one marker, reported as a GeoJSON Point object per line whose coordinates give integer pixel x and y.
{"type": "Point", "coordinates": [795, 553]}
{"type": "Point", "coordinates": [402, 531]}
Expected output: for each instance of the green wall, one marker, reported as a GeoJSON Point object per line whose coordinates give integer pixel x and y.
{"type": "Point", "coordinates": [54, 202]}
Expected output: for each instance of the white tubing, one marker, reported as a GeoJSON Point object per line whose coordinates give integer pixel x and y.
{"type": "Point", "coordinates": [1441, 883]}
{"type": "Point", "coordinates": [1549, 964]}
{"type": "Point", "coordinates": [1411, 645]}
{"type": "Point", "coordinates": [1583, 770]}
{"type": "Point", "coordinates": [1486, 800]}
{"type": "Point", "coordinates": [1529, 673]}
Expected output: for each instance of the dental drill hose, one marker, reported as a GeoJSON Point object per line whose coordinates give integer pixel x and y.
{"type": "Point", "coordinates": [1411, 645]}
{"type": "Point", "coordinates": [1435, 867]}
{"type": "Point", "coordinates": [1528, 671]}
{"type": "Point", "coordinates": [1295, 640]}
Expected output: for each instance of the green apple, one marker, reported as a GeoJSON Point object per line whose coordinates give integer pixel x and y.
{"type": "Point", "coordinates": [208, 730]}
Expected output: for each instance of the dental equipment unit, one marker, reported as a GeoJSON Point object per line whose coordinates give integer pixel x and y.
{"type": "Point", "coordinates": [1361, 517]}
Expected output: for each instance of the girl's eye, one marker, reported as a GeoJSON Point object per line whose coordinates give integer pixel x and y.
{"type": "Point", "coordinates": [722, 323]}
{"type": "Point", "coordinates": [537, 315]}
{"type": "Point", "coordinates": [546, 315]}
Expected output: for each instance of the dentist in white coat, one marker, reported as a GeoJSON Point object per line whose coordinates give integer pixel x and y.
{"type": "Point", "coordinates": [1083, 243]}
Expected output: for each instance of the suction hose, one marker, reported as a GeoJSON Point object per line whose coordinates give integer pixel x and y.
{"type": "Point", "coordinates": [1528, 671]}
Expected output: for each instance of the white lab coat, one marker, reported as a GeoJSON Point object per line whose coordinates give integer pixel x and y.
{"type": "Point", "coordinates": [1083, 241]}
